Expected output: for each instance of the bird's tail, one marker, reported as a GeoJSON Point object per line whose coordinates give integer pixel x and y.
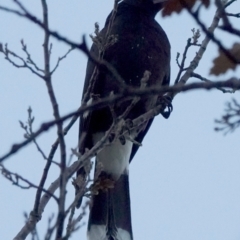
{"type": "Point", "coordinates": [110, 214]}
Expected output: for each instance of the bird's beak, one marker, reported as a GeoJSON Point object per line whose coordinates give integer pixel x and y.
{"type": "Point", "coordinates": [159, 1]}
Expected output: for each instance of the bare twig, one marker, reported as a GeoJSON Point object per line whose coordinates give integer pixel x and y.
{"type": "Point", "coordinates": [228, 3]}
{"type": "Point", "coordinates": [50, 228]}
{"type": "Point", "coordinates": [47, 73]}
{"type": "Point", "coordinates": [143, 84]}
{"type": "Point", "coordinates": [210, 35]}
{"type": "Point", "coordinates": [207, 80]}
{"type": "Point", "coordinates": [72, 223]}
{"type": "Point", "coordinates": [34, 232]}
{"type": "Point", "coordinates": [60, 59]}
{"type": "Point", "coordinates": [7, 53]}
{"type": "Point", "coordinates": [16, 178]}
{"type": "Point", "coordinates": [103, 41]}
{"type": "Point", "coordinates": [231, 120]}
{"type": "Point", "coordinates": [29, 132]}
{"type": "Point", "coordinates": [29, 58]}
{"type": "Point", "coordinates": [233, 83]}
{"type": "Point", "coordinates": [181, 66]}
{"type": "Point", "coordinates": [206, 40]}
{"type": "Point", "coordinates": [231, 30]}
{"type": "Point", "coordinates": [33, 219]}
{"type": "Point", "coordinates": [82, 47]}
{"type": "Point", "coordinates": [236, 15]}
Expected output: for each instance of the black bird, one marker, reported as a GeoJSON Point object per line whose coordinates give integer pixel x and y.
{"type": "Point", "coordinates": [141, 46]}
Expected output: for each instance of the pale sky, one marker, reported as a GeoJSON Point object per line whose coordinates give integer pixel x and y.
{"type": "Point", "coordinates": [184, 181]}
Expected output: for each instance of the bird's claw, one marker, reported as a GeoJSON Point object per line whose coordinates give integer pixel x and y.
{"type": "Point", "coordinates": [128, 125]}
{"type": "Point", "coordinates": [167, 101]}
{"type": "Point", "coordinates": [122, 140]}
{"type": "Point", "coordinates": [111, 137]}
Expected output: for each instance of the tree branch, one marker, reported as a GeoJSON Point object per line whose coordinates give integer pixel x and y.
{"type": "Point", "coordinates": [232, 83]}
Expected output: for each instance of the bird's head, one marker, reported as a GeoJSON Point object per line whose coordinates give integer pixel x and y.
{"type": "Point", "coordinates": [152, 5]}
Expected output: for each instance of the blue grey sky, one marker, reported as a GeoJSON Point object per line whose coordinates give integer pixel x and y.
{"type": "Point", "coordinates": [185, 180]}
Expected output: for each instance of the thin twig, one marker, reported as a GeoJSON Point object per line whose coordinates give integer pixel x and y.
{"type": "Point", "coordinates": [29, 131]}
{"type": "Point", "coordinates": [210, 35]}
{"type": "Point", "coordinates": [29, 58]}
{"type": "Point", "coordinates": [230, 121]}
{"type": "Point", "coordinates": [7, 52]}
{"type": "Point", "coordinates": [233, 83]}
{"type": "Point", "coordinates": [60, 59]}
{"type": "Point", "coordinates": [102, 42]}
{"type": "Point", "coordinates": [236, 15]}
{"type": "Point", "coordinates": [181, 66]}
{"type": "Point", "coordinates": [72, 223]}
{"type": "Point", "coordinates": [61, 205]}
{"type": "Point", "coordinates": [15, 178]}
{"type": "Point", "coordinates": [82, 47]}
{"type": "Point", "coordinates": [205, 42]}
{"type": "Point", "coordinates": [207, 80]}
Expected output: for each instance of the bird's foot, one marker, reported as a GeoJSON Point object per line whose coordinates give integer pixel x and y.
{"type": "Point", "coordinates": [111, 137]}
{"type": "Point", "coordinates": [128, 124]}
{"type": "Point", "coordinates": [168, 107]}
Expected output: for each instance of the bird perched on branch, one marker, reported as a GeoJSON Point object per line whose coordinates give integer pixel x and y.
{"type": "Point", "coordinates": [133, 52]}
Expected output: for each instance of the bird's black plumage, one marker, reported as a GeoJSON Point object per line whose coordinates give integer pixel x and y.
{"type": "Point", "coordinates": [141, 46]}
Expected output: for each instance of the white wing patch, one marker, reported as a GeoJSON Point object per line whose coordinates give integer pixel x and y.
{"type": "Point", "coordinates": [115, 157]}
{"type": "Point", "coordinates": [85, 114]}
{"type": "Point", "coordinates": [98, 232]}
